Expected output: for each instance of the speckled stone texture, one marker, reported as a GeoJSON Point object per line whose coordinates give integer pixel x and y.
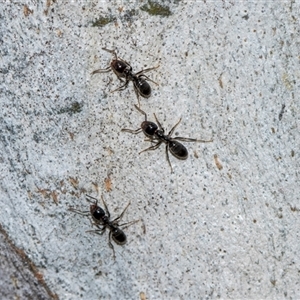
{"type": "Point", "coordinates": [225, 224]}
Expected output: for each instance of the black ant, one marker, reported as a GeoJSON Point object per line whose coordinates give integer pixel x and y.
{"type": "Point", "coordinates": [157, 133]}
{"type": "Point", "coordinates": [123, 70]}
{"type": "Point", "coordinates": [102, 218]}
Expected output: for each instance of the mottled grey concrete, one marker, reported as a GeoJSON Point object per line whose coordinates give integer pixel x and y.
{"type": "Point", "coordinates": [19, 277]}
{"type": "Point", "coordinates": [226, 223]}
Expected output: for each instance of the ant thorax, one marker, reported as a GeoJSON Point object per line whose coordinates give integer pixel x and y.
{"type": "Point", "coordinates": [128, 73]}
{"type": "Point", "coordinates": [160, 135]}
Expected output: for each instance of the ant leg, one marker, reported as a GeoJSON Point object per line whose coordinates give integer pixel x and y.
{"type": "Point", "coordinates": [137, 95]}
{"type": "Point", "coordinates": [128, 223]}
{"type": "Point", "coordinates": [121, 215]}
{"type": "Point", "coordinates": [123, 87]}
{"type": "Point", "coordinates": [139, 129]}
{"type": "Point", "coordinates": [148, 79]}
{"type": "Point", "coordinates": [88, 196]}
{"type": "Point", "coordinates": [159, 124]}
{"type": "Point", "coordinates": [151, 140]}
{"type": "Point", "coordinates": [120, 79]}
{"type": "Point", "coordinates": [93, 223]}
{"type": "Point", "coordinates": [173, 128]}
{"type": "Point", "coordinates": [191, 140]}
{"type": "Point", "coordinates": [101, 70]}
{"type": "Point", "coordinates": [105, 206]}
{"type": "Point", "coordinates": [111, 51]}
{"type": "Point", "coordinates": [115, 55]}
{"type": "Point", "coordinates": [141, 111]}
{"type": "Point", "coordinates": [154, 147]}
{"type": "Point", "coordinates": [80, 212]}
{"type": "Point", "coordinates": [146, 70]}
{"type": "Point", "coordinates": [131, 130]}
{"type": "Point", "coordinates": [168, 159]}
{"type": "Point", "coordinates": [98, 231]}
{"type": "Point", "coordinates": [111, 245]}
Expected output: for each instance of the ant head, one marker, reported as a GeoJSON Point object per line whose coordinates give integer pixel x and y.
{"type": "Point", "coordinates": [97, 212]}
{"type": "Point", "coordinates": [121, 68]}
{"type": "Point", "coordinates": [149, 128]}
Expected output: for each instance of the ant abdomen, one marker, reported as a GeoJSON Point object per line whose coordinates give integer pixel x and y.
{"type": "Point", "coordinates": [119, 236]}
{"type": "Point", "coordinates": [178, 150]}
{"type": "Point", "coordinates": [143, 87]}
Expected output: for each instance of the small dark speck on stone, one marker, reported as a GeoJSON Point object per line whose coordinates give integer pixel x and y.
{"type": "Point", "coordinates": [103, 20]}
{"type": "Point", "coordinates": [246, 17]}
{"type": "Point", "coordinates": [74, 108]}
{"type": "Point", "coordinates": [281, 112]}
{"type": "Point", "coordinates": [292, 153]}
{"type": "Point", "coordinates": [36, 138]}
{"type": "Point", "coordinates": [156, 9]}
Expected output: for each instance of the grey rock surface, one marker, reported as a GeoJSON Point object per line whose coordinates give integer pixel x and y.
{"type": "Point", "coordinates": [226, 223]}
{"type": "Point", "coordinates": [19, 277]}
